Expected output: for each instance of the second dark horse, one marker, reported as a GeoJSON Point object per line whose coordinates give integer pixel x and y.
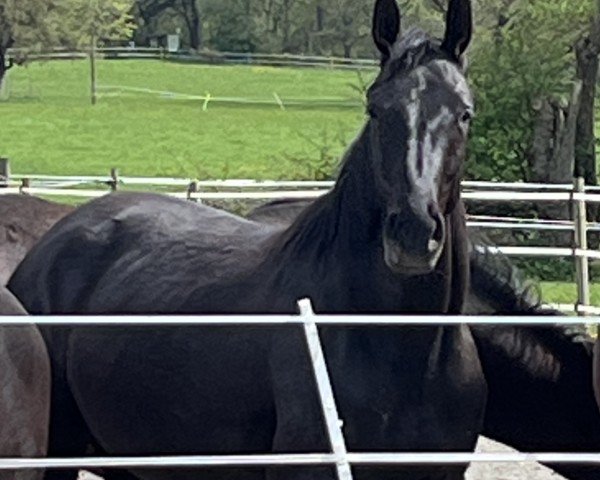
{"type": "Point", "coordinates": [388, 238]}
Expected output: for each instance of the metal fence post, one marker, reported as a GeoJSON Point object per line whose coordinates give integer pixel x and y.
{"type": "Point", "coordinates": [330, 412]}
{"type": "Point", "coordinates": [581, 261]}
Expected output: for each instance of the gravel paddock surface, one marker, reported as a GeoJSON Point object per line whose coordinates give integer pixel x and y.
{"type": "Point", "coordinates": [481, 471]}
{"type": "Point", "coordinates": [507, 471]}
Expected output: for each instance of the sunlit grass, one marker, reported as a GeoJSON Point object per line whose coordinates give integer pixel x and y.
{"type": "Point", "coordinates": [48, 125]}
{"type": "Point", "coordinates": [562, 292]}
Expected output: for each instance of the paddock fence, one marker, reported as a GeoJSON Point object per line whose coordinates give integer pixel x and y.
{"type": "Point", "coordinates": [339, 456]}
{"type": "Point", "coordinates": [203, 56]}
{"type": "Point", "coordinates": [576, 195]}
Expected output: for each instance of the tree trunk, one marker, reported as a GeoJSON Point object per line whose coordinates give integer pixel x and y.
{"type": "Point", "coordinates": [348, 50]}
{"type": "Point", "coordinates": [196, 26]}
{"type": "Point", "coordinates": [552, 155]}
{"type": "Point", "coordinates": [5, 66]}
{"type": "Point", "coordinates": [585, 147]}
{"type": "Point", "coordinates": [190, 13]}
{"type": "Point", "coordinates": [286, 26]}
{"type": "Point", "coordinates": [320, 18]}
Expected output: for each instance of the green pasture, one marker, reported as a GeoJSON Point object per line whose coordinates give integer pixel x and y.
{"type": "Point", "coordinates": [48, 125]}
{"type": "Point", "coordinates": [558, 292]}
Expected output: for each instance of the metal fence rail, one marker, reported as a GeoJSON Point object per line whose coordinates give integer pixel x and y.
{"type": "Point", "coordinates": [578, 196]}
{"type": "Point", "coordinates": [340, 457]}
{"type": "Point", "coordinates": [291, 459]}
{"type": "Point", "coordinates": [207, 57]}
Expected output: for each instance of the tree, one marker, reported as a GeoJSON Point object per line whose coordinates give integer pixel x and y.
{"type": "Point", "coordinates": [188, 12]}
{"type": "Point", "coordinates": [523, 59]}
{"type": "Point", "coordinates": [104, 20]}
{"type": "Point", "coordinates": [85, 22]}
{"type": "Point", "coordinates": [26, 25]}
{"type": "Point", "coordinates": [587, 51]}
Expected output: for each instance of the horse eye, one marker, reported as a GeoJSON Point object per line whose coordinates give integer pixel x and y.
{"type": "Point", "coordinates": [467, 116]}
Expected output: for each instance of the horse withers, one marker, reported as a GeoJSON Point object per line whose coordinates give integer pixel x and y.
{"type": "Point", "coordinates": [389, 237]}
{"type": "Point", "coordinates": [24, 391]}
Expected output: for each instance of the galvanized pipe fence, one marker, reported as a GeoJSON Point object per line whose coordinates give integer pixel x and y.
{"type": "Point", "coordinates": [577, 195]}
{"type": "Point", "coordinates": [339, 457]}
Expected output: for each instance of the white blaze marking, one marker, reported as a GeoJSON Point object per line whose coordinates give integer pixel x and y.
{"type": "Point", "coordinates": [432, 145]}
{"type": "Point", "coordinates": [413, 114]}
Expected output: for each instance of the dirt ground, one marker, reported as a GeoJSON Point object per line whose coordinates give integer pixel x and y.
{"type": "Point", "coordinates": [507, 471]}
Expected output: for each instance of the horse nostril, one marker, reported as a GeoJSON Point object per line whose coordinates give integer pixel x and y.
{"type": "Point", "coordinates": [438, 233]}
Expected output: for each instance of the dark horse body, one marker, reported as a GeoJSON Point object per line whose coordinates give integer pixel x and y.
{"type": "Point", "coordinates": [496, 287]}
{"type": "Point", "coordinates": [597, 371]}
{"type": "Point", "coordinates": [23, 221]}
{"type": "Point", "coordinates": [539, 395]}
{"type": "Point", "coordinates": [24, 390]}
{"type": "Point", "coordinates": [388, 238]}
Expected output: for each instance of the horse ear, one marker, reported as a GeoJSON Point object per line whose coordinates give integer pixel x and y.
{"type": "Point", "coordinates": [459, 28]}
{"type": "Point", "coordinates": [386, 25]}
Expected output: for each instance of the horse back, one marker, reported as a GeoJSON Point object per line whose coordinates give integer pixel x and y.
{"type": "Point", "coordinates": [119, 251]}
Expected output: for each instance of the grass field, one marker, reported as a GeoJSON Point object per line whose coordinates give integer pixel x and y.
{"type": "Point", "coordinates": [49, 126]}
{"type": "Point", "coordinates": [556, 292]}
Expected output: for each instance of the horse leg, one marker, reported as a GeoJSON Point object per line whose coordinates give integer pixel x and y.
{"type": "Point", "coordinates": [300, 426]}
{"type": "Point", "coordinates": [454, 473]}
{"type": "Point", "coordinates": [24, 398]}
{"type": "Point", "coordinates": [69, 435]}
{"type": "Point", "coordinates": [597, 371]}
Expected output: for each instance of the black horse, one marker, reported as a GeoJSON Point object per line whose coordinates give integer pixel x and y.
{"type": "Point", "coordinates": [496, 287]}
{"type": "Point", "coordinates": [24, 391]}
{"type": "Point", "coordinates": [597, 371]}
{"type": "Point", "coordinates": [390, 237]}
{"type": "Point", "coordinates": [540, 397]}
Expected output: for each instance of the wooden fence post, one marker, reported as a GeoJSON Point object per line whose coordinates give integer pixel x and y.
{"type": "Point", "coordinates": [4, 172]}
{"type": "Point", "coordinates": [192, 188]}
{"type": "Point", "coordinates": [581, 262]}
{"type": "Point", "coordinates": [114, 181]}
{"type": "Point", "coordinates": [24, 187]}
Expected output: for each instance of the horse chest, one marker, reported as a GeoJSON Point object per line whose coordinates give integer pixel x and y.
{"type": "Point", "coordinates": [422, 388]}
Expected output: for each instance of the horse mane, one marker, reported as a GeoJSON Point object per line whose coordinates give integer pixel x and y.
{"type": "Point", "coordinates": [492, 271]}
{"type": "Point", "coordinates": [313, 229]}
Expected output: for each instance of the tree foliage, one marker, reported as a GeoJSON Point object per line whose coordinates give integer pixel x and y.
{"type": "Point", "coordinates": [24, 24]}
{"type": "Point", "coordinates": [524, 55]}
{"type": "Point", "coordinates": [102, 19]}
{"type": "Point", "coordinates": [30, 25]}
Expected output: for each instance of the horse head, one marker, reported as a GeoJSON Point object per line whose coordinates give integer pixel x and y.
{"type": "Point", "coordinates": [420, 108]}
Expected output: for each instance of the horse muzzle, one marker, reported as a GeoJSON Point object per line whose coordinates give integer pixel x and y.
{"type": "Point", "coordinates": [402, 262]}
{"type": "Point", "coordinates": [413, 247]}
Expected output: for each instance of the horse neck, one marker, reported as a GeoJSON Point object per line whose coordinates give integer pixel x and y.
{"type": "Point", "coordinates": [348, 216]}
{"type": "Point", "coordinates": [337, 240]}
